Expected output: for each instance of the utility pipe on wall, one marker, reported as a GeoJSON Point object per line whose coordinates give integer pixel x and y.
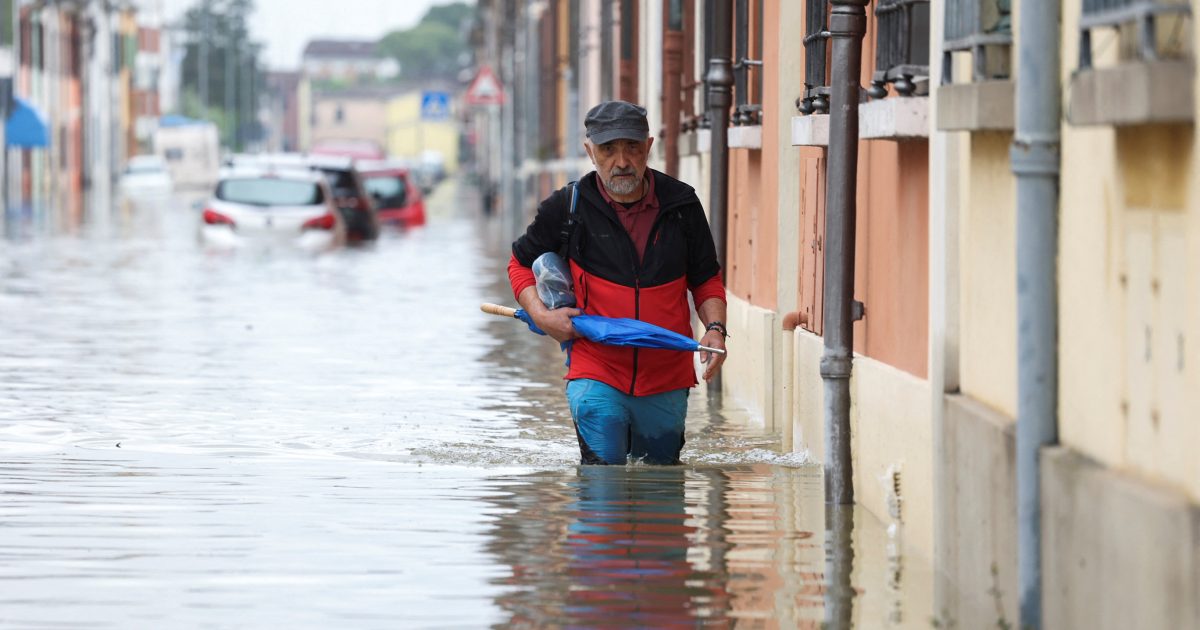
{"type": "Point", "coordinates": [1035, 163]}
{"type": "Point", "coordinates": [847, 25]}
{"type": "Point", "coordinates": [719, 79]}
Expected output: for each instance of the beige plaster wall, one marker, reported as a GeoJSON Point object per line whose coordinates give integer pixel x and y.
{"type": "Point", "coordinates": [890, 433]}
{"type": "Point", "coordinates": [362, 119]}
{"type": "Point", "coordinates": [893, 465]}
{"type": "Point", "coordinates": [988, 271]}
{"type": "Point", "coordinates": [748, 375]}
{"type": "Point", "coordinates": [1129, 302]}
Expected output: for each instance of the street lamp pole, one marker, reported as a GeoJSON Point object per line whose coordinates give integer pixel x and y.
{"type": "Point", "coordinates": [720, 82]}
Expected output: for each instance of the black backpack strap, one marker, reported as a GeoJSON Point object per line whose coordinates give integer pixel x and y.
{"type": "Point", "coordinates": [568, 226]}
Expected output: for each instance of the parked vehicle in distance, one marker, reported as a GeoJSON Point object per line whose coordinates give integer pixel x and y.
{"type": "Point", "coordinates": [398, 199]}
{"type": "Point", "coordinates": [272, 207]}
{"type": "Point", "coordinates": [191, 150]}
{"type": "Point", "coordinates": [146, 175]}
{"type": "Point", "coordinates": [358, 149]}
{"type": "Point", "coordinates": [349, 195]}
{"type": "Point", "coordinates": [345, 183]}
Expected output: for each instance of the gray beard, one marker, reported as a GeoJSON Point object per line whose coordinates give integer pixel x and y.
{"type": "Point", "coordinates": [619, 187]}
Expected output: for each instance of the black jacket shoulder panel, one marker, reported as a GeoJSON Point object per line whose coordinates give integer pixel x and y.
{"type": "Point", "coordinates": [544, 233]}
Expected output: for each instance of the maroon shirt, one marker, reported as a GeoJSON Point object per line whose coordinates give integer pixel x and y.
{"type": "Point", "coordinates": [638, 219]}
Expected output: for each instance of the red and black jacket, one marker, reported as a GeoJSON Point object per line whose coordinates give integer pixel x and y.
{"type": "Point", "coordinates": [610, 281]}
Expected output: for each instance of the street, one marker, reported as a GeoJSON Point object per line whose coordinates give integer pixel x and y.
{"type": "Point", "coordinates": [195, 438]}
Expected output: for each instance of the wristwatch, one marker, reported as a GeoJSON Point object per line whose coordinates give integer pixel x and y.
{"type": "Point", "coordinates": [719, 327]}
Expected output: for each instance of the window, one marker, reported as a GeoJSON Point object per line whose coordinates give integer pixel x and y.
{"type": "Point", "coordinates": [389, 191]}
{"type": "Point", "coordinates": [270, 192]}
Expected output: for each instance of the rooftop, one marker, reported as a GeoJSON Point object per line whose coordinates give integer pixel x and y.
{"type": "Point", "coordinates": [342, 49]}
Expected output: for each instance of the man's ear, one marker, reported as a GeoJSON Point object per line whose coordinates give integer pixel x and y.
{"type": "Point", "coordinates": [587, 146]}
{"type": "Point", "coordinates": [649, 143]}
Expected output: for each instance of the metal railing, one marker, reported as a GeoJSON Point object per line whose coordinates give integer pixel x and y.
{"type": "Point", "coordinates": [1117, 13]}
{"type": "Point", "coordinates": [747, 89]}
{"type": "Point", "coordinates": [901, 46]}
{"type": "Point", "coordinates": [975, 25]}
{"type": "Point", "coordinates": [815, 99]}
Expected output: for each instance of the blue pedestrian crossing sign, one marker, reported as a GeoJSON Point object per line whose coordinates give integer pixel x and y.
{"type": "Point", "coordinates": [435, 105]}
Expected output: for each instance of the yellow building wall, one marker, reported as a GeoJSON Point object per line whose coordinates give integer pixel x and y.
{"type": "Point", "coordinates": [1129, 302]}
{"type": "Point", "coordinates": [988, 271]}
{"type": "Point", "coordinates": [304, 111]}
{"type": "Point", "coordinates": [409, 136]}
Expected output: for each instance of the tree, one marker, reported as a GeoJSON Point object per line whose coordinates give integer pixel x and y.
{"type": "Point", "coordinates": [431, 49]}
{"type": "Point", "coordinates": [221, 68]}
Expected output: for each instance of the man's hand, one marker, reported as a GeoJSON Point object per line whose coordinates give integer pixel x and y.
{"type": "Point", "coordinates": [557, 322]}
{"type": "Point", "coordinates": [712, 339]}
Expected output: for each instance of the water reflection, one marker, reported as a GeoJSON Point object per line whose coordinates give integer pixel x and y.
{"type": "Point", "coordinates": [839, 565]}
{"type": "Point", "coordinates": [643, 546]}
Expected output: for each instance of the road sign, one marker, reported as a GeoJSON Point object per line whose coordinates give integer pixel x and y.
{"type": "Point", "coordinates": [435, 106]}
{"type": "Point", "coordinates": [485, 89]}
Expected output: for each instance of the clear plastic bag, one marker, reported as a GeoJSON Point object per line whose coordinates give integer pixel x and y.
{"type": "Point", "coordinates": [553, 276]}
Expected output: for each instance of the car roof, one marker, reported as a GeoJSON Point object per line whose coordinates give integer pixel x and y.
{"type": "Point", "coordinates": [297, 160]}
{"type": "Point", "coordinates": [330, 162]}
{"type": "Point", "coordinates": [382, 166]}
{"type": "Point", "coordinates": [250, 171]}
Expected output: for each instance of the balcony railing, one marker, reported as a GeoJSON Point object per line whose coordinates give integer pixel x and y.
{"type": "Point", "coordinates": [902, 46]}
{"type": "Point", "coordinates": [976, 25]}
{"type": "Point", "coordinates": [1117, 13]}
{"type": "Point", "coordinates": [747, 88]}
{"type": "Point", "coordinates": [815, 99]}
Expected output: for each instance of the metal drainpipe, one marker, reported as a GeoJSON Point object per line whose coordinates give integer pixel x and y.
{"type": "Point", "coordinates": [847, 25]}
{"type": "Point", "coordinates": [720, 80]}
{"type": "Point", "coordinates": [1035, 163]}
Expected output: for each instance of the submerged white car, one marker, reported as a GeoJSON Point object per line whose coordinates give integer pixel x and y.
{"type": "Point", "coordinates": [146, 175]}
{"type": "Point", "coordinates": [255, 207]}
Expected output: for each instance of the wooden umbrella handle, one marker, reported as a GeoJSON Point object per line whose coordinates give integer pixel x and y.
{"type": "Point", "coordinates": [496, 309]}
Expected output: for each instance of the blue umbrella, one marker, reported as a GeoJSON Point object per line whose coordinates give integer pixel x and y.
{"type": "Point", "coordinates": [614, 331]}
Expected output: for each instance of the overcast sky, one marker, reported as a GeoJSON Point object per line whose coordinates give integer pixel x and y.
{"type": "Point", "coordinates": [285, 26]}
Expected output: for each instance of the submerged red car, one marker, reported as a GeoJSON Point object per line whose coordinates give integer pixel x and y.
{"type": "Point", "coordinates": [397, 198]}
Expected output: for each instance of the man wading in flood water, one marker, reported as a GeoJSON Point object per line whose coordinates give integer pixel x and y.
{"type": "Point", "coordinates": [637, 242]}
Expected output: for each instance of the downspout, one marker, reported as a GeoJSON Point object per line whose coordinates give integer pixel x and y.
{"type": "Point", "coordinates": [720, 80]}
{"type": "Point", "coordinates": [847, 25]}
{"type": "Point", "coordinates": [672, 84]}
{"type": "Point", "coordinates": [1035, 163]}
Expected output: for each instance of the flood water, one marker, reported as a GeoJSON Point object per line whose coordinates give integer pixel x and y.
{"type": "Point", "coordinates": [267, 439]}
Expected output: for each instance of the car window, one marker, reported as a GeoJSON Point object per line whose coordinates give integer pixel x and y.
{"type": "Point", "coordinates": [144, 166]}
{"type": "Point", "coordinates": [391, 191]}
{"type": "Point", "coordinates": [270, 192]}
{"type": "Point", "coordinates": [341, 183]}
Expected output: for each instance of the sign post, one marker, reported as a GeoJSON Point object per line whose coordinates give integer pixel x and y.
{"type": "Point", "coordinates": [486, 91]}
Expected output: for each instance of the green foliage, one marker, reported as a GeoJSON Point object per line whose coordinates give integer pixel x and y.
{"type": "Point", "coordinates": [221, 67]}
{"type": "Point", "coordinates": [190, 106]}
{"type": "Point", "coordinates": [433, 48]}
{"type": "Point", "coordinates": [452, 15]}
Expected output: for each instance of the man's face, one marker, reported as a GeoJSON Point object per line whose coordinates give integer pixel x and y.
{"type": "Point", "coordinates": [621, 164]}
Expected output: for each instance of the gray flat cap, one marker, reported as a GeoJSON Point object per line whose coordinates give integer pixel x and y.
{"type": "Point", "coordinates": [616, 120]}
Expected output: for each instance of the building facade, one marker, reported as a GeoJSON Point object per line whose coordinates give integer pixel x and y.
{"type": "Point", "coordinates": [937, 377]}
